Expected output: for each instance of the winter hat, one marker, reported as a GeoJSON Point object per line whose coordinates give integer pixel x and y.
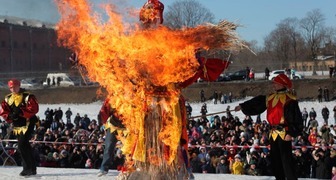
{"type": "Point", "coordinates": [237, 156]}
{"type": "Point", "coordinates": [13, 82]}
{"type": "Point", "coordinates": [283, 80]}
{"type": "Point", "coordinates": [64, 152]}
{"type": "Point", "coordinates": [253, 162]}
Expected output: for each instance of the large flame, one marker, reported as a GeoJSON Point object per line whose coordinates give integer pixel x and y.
{"type": "Point", "coordinates": [131, 63]}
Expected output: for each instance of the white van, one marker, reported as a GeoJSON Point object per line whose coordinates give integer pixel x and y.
{"type": "Point", "coordinates": [58, 79]}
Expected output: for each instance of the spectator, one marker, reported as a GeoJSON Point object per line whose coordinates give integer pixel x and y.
{"type": "Point", "coordinates": [333, 171]}
{"type": "Point", "coordinates": [223, 166]}
{"type": "Point", "coordinates": [215, 97]}
{"type": "Point", "coordinates": [331, 71]}
{"type": "Point", "coordinates": [319, 95]}
{"type": "Point", "coordinates": [53, 81]}
{"type": "Point", "coordinates": [252, 169]}
{"type": "Point", "coordinates": [219, 97]}
{"type": "Point", "coordinates": [304, 116]}
{"type": "Point", "coordinates": [204, 110]}
{"type": "Point", "coordinates": [323, 166]}
{"type": "Point", "coordinates": [48, 81]}
{"type": "Point", "coordinates": [312, 138]}
{"type": "Point", "coordinates": [189, 110]}
{"type": "Point", "coordinates": [251, 74]}
{"type": "Point", "coordinates": [292, 73]}
{"type": "Point", "coordinates": [299, 163]}
{"type": "Point", "coordinates": [230, 97]}
{"type": "Point", "coordinates": [58, 114]}
{"type": "Point", "coordinates": [307, 163]}
{"type": "Point", "coordinates": [236, 165]}
{"type": "Point", "coordinates": [68, 114]}
{"type": "Point", "coordinates": [326, 94]}
{"type": "Point", "coordinates": [3, 126]}
{"type": "Point", "coordinates": [334, 109]}
{"type": "Point", "coordinates": [325, 114]}
{"type": "Point", "coordinates": [247, 74]}
{"type": "Point", "coordinates": [312, 114]}
{"type": "Point", "coordinates": [77, 119]}
{"type": "Point", "coordinates": [54, 125]}
{"type": "Point", "coordinates": [202, 94]}
{"type": "Point", "coordinates": [267, 73]}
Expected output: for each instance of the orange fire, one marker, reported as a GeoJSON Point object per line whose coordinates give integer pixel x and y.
{"type": "Point", "coordinates": [131, 62]}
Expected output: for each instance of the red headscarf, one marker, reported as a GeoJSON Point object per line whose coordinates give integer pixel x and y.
{"type": "Point", "coordinates": [283, 80]}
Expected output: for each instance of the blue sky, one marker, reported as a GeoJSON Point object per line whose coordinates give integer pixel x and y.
{"type": "Point", "coordinates": [258, 17]}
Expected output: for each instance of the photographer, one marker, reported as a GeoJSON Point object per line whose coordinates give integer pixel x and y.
{"type": "Point", "coordinates": [323, 164]}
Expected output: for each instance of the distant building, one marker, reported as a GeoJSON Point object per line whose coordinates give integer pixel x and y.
{"type": "Point", "coordinates": [326, 58]}
{"type": "Point", "coordinates": [28, 46]}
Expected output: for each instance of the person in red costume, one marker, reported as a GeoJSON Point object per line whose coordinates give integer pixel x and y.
{"type": "Point", "coordinates": [20, 108]}
{"type": "Point", "coordinates": [111, 121]}
{"type": "Point", "coordinates": [285, 120]}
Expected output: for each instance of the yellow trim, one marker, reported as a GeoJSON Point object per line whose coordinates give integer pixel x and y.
{"type": "Point", "coordinates": [275, 133]}
{"type": "Point", "coordinates": [19, 130]}
{"type": "Point", "coordinates": [109, 125]}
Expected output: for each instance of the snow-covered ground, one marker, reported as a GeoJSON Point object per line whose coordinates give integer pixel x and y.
{"type": "Point", "coordinates": [12, 173]}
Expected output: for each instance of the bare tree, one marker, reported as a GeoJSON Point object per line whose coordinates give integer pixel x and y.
{"type": "Point", "coordinates": [187, 13]}
{"type": "Point", "coordinates": [278, 42]}
{"type": "Point", "coordinates": [295, 41]}
{"type": "Point", "coordinates": [312, 27]}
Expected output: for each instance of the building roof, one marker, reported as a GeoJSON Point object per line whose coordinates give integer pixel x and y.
{"type": "Point", "coordinates": [25, 22]}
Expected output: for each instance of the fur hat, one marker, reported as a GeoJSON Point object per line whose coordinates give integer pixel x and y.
{"type": "Point", "coordinates": [283, 80]}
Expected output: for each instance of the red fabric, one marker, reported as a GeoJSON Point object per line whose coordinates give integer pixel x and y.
{"type": "Point", "coordinates": [105, 111]}
{"type": "Point", "coordinates": [29, 110]}
{"type": "Point", "coordinates": [209, 70]}
{"type": "Point", "coordinates": [31, 107]}
{"type": "Point", "coordinates": [283, 80]}
{"type": "Point", "coordinates": [184, 134]}
{"type": "Point", "coordinates": [213, 68]}
{"type": "Point", "coordinates": [274, 114]}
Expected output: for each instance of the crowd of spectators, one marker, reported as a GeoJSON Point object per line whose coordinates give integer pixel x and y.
{"type": "Point", "coordinates": [217, 144]}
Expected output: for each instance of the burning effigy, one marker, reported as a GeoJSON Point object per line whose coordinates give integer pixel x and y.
{"type": "Point", "coordinates": [143, 71]}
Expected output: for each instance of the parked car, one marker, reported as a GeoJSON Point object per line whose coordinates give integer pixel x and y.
{"type": "Point", "coordinates": [29, 83]}
{"type": "Point", "coordinates": [3, 85]}
{"type": "Point", "coordinates": [62, 78]}
{"type": "Point", "coordinates": [223, 77]}
{"type": "Point", "coordinates": [274, 73]}
{"type": "Point", "coordinates": [238, 75]}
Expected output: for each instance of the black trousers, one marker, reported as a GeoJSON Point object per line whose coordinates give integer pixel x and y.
{"type": "Point", "coordinates": [282, 159]}
{"type": "Point", "coordinates": [25, 149]}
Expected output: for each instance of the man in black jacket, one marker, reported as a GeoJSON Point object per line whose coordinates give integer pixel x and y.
{"type": "Point", "coordinates": [284, 117]}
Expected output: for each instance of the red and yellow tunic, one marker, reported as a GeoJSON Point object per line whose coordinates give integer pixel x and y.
{"type": "Point", "coordinates": [283, 112]}
{"type": "Point", "coordinates": [275, 112]}
{"type": "Point", "coordinates": [27, 104]}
